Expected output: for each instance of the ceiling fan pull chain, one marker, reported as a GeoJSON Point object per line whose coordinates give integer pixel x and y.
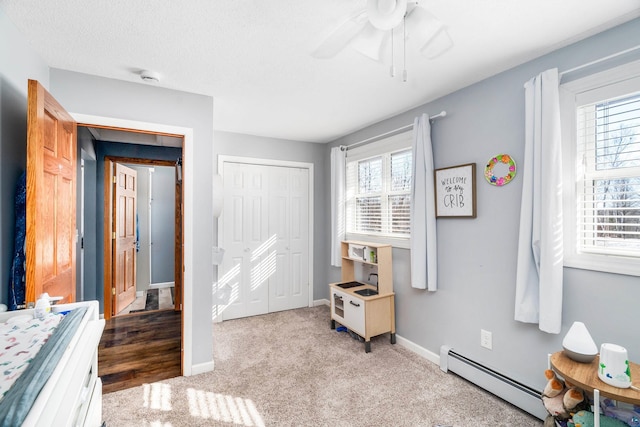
{"type": "Point", "coordinates": [392, 70]}
{"type": "Point", "coordinates": [404, 47]}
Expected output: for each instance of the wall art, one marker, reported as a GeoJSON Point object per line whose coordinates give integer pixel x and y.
{"type": "Point", "coordinates": [455, 191]}
{"type": "Point", "coordinates": [500, 180]}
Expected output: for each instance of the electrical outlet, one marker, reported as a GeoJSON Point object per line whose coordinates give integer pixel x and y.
{"type": "Point", "coordinates": [485, 339]}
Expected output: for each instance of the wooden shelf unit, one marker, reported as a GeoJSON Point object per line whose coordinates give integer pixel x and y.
{"type": "Point", "coordinates": [368, 316]}
{"type": "Point", "coordinates": [383, 263]}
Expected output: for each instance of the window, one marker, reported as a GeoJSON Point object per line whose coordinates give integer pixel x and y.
{"type": "Point", "coordinates": [602, 157]}
{"type": "Point", "coordinates": [379, 190]}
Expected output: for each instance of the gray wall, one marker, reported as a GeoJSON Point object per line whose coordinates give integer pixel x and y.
{"type": "Point", "coordinates": [18, 63]}
{"type": "Point", "coordinates": [162, 224]}
{"type": "Point", "coordinates": [92, 95]}
{"type": "Point", "coordinates": [477, 257]}
{"type": "Point", "coordinates": [232, 144]}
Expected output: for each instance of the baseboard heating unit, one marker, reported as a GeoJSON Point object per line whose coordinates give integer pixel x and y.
{"type": "Point", "coordinates": [520, 395]}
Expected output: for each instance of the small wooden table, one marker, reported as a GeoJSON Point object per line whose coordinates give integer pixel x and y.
{"type": "Point", "coordinates": [585, 377]}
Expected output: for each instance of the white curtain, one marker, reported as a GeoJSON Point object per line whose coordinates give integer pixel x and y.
{"type": "Point", "coordinates": [337, 204]}
{"type": "Point", "coordinates": [424, 263]}
{"type": "Point", "coordinates": [540, 249]}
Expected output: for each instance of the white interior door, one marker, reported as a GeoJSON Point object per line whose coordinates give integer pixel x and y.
{"type": "Point", "coordinates": [265, 232]}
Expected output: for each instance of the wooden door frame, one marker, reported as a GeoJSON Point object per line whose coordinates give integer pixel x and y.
{"type": "Point", "coordinates": [108, 221]}
{"type": "Point", "coordinates": [188, 158]}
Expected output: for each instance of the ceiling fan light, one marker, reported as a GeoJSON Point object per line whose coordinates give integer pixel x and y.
{"type": "Point", "coordinates": [386, 14]}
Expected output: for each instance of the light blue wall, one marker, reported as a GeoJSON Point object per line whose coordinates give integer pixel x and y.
{"type": "Point", "coordinates": [477, 257]}
{"type": "Point", "coordinates": [18, 63]}
{"type": "Point", "coordinates": [97, 96]}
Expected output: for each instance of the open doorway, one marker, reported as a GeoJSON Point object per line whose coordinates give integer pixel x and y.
{"type": "Point", "coordinates": [113, 156]}
{"type": "Point", "coordinates": [186, 136]}
{"type": "Point", "coordinates": [155, 241]}
{"type": "Point", "coordinates": [145, 253]}
{"type": "Point", "coordinates": [122, 229]}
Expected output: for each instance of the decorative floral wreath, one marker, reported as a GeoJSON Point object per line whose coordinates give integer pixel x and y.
{"type": "Point", "coordinates": [502, 180]}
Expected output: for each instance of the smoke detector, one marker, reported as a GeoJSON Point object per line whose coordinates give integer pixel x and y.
{"type": "Point", "coordinates": [150, 76]}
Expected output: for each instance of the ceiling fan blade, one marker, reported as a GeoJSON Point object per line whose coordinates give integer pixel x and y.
{"type": "Point", "coordinates": [339, 37]}
{"type": "Point", "coordinates": [369, 42]}
{"type": "Point", "coordinates": [438, 45]}
{"type": "Point", "coordinates": [427, 32]}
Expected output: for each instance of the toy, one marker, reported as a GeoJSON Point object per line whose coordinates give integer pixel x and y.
{"type": "Point", "coordinates": [630, 415]}
{"type": "Point", "coordinates": [560, 400]}
{"type": "Point", "coordinates": [586, 419]}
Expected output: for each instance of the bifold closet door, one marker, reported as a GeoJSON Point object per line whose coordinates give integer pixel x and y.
{"type": "Point", "coordinates": [265, 229]}
{"type": "Point", "coordinates": [245, 231]}
{"type": "Point", "coordinates": [289, 225]}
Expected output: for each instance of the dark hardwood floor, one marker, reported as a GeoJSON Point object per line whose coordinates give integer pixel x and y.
{"type": "Point", "coordinates": [139, 348]}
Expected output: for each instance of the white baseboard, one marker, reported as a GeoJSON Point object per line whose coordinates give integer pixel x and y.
{"type": "Point", "coordinates": [201, 368]}
{"type": "Point", "coordinates": [139, 294]}
{"type": "Point", "coordinates": [162, 285]}
{"type": "Point", "coordinates": [323, 301]}
{"type": "Point", "coordinates": [420, 351]}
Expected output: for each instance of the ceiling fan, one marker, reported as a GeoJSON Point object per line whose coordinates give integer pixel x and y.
{"type": "Point", "coordinates": [370, 30]}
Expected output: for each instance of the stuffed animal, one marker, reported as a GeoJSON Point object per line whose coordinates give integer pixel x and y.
{"type": "Point", "coordinates": [560, 400]}
{"type": "Point", "coordinates": [630, 415]}
{"type": "Point", "coordinates": [586, 419]}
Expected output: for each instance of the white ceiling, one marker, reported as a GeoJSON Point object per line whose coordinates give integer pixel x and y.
{"type": "Point", "coordinates": [252, 56]}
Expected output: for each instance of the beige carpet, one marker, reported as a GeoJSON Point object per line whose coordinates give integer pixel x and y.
{"type": "Point", "coordinates": [291, 369]}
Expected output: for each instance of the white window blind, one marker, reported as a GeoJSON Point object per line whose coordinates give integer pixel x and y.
{"type": "Point", "coordinates": [608, 172]}
{"type": "Point", "coordinates": [379, 188]}
{"type": "Point", "coordinates": [399, 197]}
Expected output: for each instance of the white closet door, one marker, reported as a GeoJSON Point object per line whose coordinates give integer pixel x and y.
{"type": "Point", "coordinates": [244, 235]}
{"type": "Point", "coordinates": [265, 228]}
{"type": "Point", "coordinates": [289, 226]}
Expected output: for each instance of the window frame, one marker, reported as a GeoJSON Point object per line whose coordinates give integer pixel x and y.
{"type": "Point", "coordinates": [606, 84]}
{"type": "Point", "coordinates": [383, 147]}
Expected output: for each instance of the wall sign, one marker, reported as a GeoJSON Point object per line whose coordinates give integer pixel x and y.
{"type": "Point", "coordinates": [456, 191]}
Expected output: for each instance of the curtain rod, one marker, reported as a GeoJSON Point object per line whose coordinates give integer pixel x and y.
{"type": "Point", "coordinates": [597, 61]}
{"type": "Point", "coordinates": [364, 141]}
